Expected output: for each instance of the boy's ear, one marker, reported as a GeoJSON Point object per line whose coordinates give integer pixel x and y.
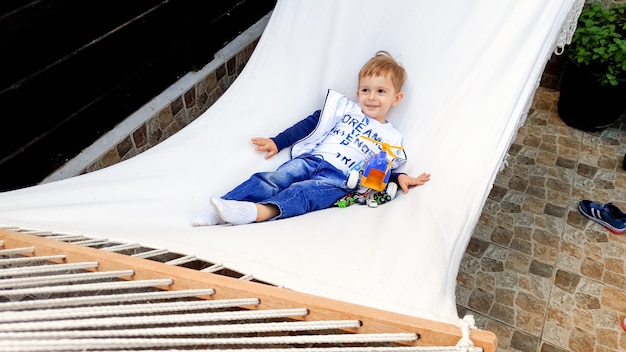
{"type": "Point", "coordinates": [398, 98]}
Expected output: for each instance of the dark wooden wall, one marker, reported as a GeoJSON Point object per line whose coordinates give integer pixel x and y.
{"type": "Point", "coordinates": [73, 69]}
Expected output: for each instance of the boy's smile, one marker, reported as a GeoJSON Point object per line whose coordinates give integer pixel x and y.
{"type": "Point", "coordinates": [376, 96]}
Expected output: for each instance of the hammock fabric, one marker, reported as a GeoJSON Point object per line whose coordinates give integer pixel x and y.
{"type": "Point", "coordinates": [473, 66]}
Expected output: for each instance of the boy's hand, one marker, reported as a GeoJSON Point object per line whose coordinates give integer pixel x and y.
{"type": "Point", "coordinates": [265, 145]}
{"type": "Point", "coordinates": [406, 181]}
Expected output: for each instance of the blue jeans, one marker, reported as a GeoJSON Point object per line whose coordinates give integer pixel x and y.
{"type": "Point", "coordinates": [298, 186]}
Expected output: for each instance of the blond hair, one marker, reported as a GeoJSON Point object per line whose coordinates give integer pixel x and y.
{"type": "Point", "coordinates": [383, 64]}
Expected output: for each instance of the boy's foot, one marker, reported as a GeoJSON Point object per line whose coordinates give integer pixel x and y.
{"type": "Point", "coordinates": [208, 217]}
{"type": "Point", "coordinates": [234, 211]}
{"type": "Point", "coordinates": [608, 215]}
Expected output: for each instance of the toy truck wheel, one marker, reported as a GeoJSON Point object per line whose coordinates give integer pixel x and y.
{"type": "Point", "coordinates": [392, 189]}
{"type": "Point", "coordinates": [353, 179]}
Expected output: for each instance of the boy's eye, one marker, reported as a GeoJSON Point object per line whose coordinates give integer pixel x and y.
{"type": "Point", "coordinates": [381, 91]}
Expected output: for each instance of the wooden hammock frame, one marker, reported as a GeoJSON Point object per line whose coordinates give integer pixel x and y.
{"type": "Point", "coordinates": [431, 333]}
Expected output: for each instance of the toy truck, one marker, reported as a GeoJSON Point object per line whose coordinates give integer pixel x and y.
{"type": "Point", "coordinates": [375, 174]}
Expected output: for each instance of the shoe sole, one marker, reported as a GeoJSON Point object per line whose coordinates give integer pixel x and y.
{"type": "Point", "coordinates": [602, 222]}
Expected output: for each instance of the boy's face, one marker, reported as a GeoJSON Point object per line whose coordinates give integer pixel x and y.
{"type": "Point", "coordinates": [376, 96]}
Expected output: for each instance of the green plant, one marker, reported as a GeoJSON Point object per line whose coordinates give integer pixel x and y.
{"type": "Point", "coordinates": [599, 41]}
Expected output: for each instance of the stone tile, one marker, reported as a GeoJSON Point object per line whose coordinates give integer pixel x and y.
{"type": "Point", "coordinates": [566, 281]}
{"type": "Point", "coordinates": [581, 341]}
{"type": "Point", "coordinates": [546, 347]}
{"type": "Point", "coordinates": [165, 118]}
{"type": "Point", "coordinates": [614, 298]}
{"type": "Point", "coordinates": [523, 342]}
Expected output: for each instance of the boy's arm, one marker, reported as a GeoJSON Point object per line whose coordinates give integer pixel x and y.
{"type": "Point", "coordinates": [296, 132]}
{"type": "Point", "coordinates": [393, 177]}
{"type": "Point", "coordinates": [405, 181]}
{"type": "Point", "coordinates": [288, 137]}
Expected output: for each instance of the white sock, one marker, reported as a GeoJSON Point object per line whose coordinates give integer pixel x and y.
{"type": "Point", "coordinates": [234, 211]}
{"type": "Point", "coordinates": [207, 217]}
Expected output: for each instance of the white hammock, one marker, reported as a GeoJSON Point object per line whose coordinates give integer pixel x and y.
{"type": "Point", "coordinates": [473, 67]}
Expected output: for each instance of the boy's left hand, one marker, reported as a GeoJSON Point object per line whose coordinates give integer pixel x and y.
{"type": "Point", "coordinates": [406, 181]}
{"type": "Point", "coordinates": [265, 145]}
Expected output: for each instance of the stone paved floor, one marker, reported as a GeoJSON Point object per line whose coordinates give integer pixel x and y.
{"type": "Point", "coordinates": [536, 272]}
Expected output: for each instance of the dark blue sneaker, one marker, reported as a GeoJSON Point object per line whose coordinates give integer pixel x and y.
{"type": "Point", "coordinates": [608, 215]}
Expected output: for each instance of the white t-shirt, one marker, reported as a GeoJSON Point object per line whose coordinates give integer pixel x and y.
{"type": "Point", "coordinates": [346, 150]}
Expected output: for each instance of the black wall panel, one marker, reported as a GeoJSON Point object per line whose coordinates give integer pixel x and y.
{"type": "Point", "coordinates": [73, 69]}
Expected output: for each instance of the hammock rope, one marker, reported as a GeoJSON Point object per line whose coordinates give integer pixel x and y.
{"type": "Point", "coordinates": [121, 310]}
{"type": "Point", "coordinates": [35, 281]}
{"type": "Point", "coordinates": [113, 298]}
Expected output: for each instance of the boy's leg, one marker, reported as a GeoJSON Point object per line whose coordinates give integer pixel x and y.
{"type": "Point", "coordinates": [235, 212]}
{"type": "Point", "coordinates": [240, 206]}
{"type": "Point", "coordinates": [266, 212]}
{"type": "Point", "coordinates": [239, 212]}
{"type": "Point", "coordinates": [304, 197]}
{"type": "Point", "coordinates": [320, 192]}
{"type": "Point", "coordinates": [264, 185]}
{"type": "Point", "coordinates": [207, 217]}
{"type": "Point", "coordinates": [258, 187]}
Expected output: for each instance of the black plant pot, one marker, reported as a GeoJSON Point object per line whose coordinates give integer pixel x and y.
{"type": "Point", "coordinates": [587, 105]}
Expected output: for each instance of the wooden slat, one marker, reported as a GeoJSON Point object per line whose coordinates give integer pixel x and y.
{"type": "Point", "coordinates": [432, 333]}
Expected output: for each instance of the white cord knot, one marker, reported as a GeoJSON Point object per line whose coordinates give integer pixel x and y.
{"type": "Point", "coordinates": [467, 323]}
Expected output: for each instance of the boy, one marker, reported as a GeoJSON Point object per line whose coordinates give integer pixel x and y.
{"type": "Point", "coordinates": [326, 146]}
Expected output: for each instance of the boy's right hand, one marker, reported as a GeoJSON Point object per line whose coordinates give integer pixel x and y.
{"type": "Point", "coordinates": [265, 145]}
